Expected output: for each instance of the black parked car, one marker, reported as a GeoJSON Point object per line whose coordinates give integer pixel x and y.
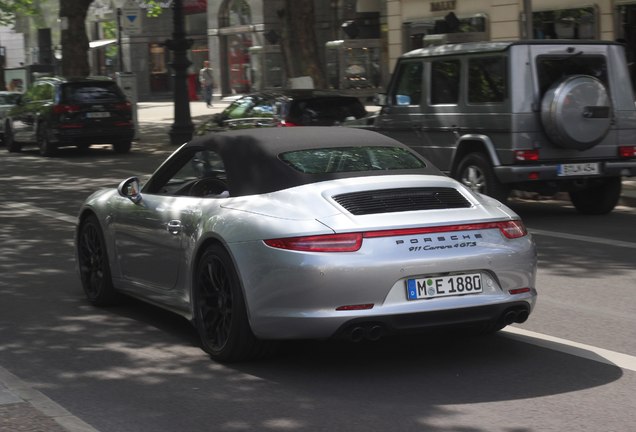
{"type": "Point", "coordinates": [57, 112]}
{"type": "Point", "coordinates": [289, 108]}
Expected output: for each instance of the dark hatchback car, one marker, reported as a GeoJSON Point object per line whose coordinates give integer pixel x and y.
{"type": "Point", "coordinates": [57, 112]}
{"type": "Point", "coordinates": [291, 108]}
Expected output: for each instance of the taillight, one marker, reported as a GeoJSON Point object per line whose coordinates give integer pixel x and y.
{"type": "Point", "coordinates": [351, 242]}
{"type": "Point", "coordinates": [124, 106]}
{"type": "Point", "coordinates": [65, 109]}
{"type": "Point", "coordinates": [284, 123]}
{"type": "Point", "coordinates": [527, 155]}
{"type": "Point", "coordinates": [626, 152]}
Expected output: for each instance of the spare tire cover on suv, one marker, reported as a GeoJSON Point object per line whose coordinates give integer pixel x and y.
{"type": "Point", "coordinates": [576, 112]}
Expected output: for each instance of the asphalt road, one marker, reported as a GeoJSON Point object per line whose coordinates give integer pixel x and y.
{"type": "Point", "coordinates": [571, 367]}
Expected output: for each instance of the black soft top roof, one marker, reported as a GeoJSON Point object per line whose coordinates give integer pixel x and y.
{"type": "Point", "coordinates": [253, 166]}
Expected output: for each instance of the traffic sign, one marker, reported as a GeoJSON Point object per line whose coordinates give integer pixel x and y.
{"type": "Point", "coordinates": [130, 19]}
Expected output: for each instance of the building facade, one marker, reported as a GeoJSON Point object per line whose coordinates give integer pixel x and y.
{"type": "Point", "coordinates": [359, 40]}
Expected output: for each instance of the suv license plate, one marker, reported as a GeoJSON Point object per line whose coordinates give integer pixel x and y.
{"type": "Point", "coordinates": [589, 168]}
{"type": "Point", "coordinates": [98, 114]}
{"type": "Point", "coordinates": [444, 286]}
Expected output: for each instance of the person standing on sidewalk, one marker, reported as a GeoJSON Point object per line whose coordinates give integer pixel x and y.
{"type": "Point", "coordinates": [206, 79]}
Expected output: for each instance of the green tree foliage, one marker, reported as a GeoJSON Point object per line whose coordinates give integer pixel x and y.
{"type": "Point", "coordinates": [10, 8]}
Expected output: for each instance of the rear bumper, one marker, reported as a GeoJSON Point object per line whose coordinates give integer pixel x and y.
{"type": "Point", "coordinates": [92, 135]}
{"type": "Point", "coordinates": [549, 172]}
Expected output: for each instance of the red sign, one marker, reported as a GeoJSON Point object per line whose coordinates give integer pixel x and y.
{"type": "Point", "coordinates": [195, 6]}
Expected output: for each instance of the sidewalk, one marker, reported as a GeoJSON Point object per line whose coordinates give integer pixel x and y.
{"type": "Point", "coordinates": [24, 409]}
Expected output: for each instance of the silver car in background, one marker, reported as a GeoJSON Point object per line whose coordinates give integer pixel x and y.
{"type": "Point", "coordinates": [316, 232]}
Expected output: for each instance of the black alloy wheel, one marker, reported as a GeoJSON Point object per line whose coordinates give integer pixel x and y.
{"type": "Point", "coordinates": [219, 308]}
{"type": "Point", "coordinates": [93, 264]}
{"type": "Point", "coordinates": [121, 147]}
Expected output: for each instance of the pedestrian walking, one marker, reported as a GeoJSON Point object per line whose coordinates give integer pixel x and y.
{"type": "Point", "coordinates": [206, 79]}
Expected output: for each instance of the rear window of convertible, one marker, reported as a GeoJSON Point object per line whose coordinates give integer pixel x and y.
{"type": "Point", "coordinates": [350, 159]}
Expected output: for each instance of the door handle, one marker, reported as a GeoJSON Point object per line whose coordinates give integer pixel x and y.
{"type": "Point", "coordinates": [174, 227]}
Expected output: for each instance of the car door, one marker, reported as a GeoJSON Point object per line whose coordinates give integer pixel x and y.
{"type": "Point", "coordinates": [149, 239]}
{"type": "Point", "coordinates": [33, 105]}
{"type": "Point", "coordinates": [152, 236]}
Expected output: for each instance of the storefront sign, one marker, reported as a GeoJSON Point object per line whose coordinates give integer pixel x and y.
{"type": "Point", "coordinates": [443, 5]}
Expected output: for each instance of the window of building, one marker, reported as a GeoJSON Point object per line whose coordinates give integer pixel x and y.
{"type": "Point", "coordinates": [575, 23]}
{"type": "Point", "coordinates": [487, 80]}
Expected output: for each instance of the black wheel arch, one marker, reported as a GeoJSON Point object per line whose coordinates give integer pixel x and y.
{"type": "Point", "coordinates": [473, 145]}
{"type": "Point", "coordinates": [196, 258]}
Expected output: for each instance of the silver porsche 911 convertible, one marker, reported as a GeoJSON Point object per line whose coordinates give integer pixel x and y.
{"type": "Point", "coordinates": [295, 233]}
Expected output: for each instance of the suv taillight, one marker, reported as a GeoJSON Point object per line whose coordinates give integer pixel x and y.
{"type": "Point", "coordinates": [527, 155]}
{"type": "Point", "coordinates": [626, 152]}
{"type": "Point", "coordinates": [63, 109]}
{"type": "Point", "coordinates": [124, 106]}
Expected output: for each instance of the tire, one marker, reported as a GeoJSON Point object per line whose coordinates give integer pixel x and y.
{"type": "Point", "coordinates": [476, 173]}
{"type": "Point", "coordinates": [45, 146]}
{"type": "Point", "coordinates": [93, 264]}
{"type": "Point", "coordinates": [121, 147]}
{"type": "Point", "coordinates": [576, 112]}
{"type": "Point", "coordinates": [599, 197]}
{"type": "Point", "coordinates": [9, 141]}
{"type": "Point", "coordinates": [220, 314]}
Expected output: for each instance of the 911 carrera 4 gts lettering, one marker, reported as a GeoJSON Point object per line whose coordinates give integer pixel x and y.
{"type": "Point", "coordinates": [430, 247]}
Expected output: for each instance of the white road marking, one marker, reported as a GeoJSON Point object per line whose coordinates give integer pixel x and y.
{"type": "Point", "coordinates": [584, 238]}
{"type": "Point", "coordinates": [623, 361]}
{"type": "Point", "coordinates": [41, 211]}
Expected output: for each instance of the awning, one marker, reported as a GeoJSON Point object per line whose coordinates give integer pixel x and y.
{"type": "Point", "coordinates": [101, 43]}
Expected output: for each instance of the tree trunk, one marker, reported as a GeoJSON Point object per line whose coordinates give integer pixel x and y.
{"type": "Point", "coordinates": [299, 43]}
{"type": "Point", "coordinates": [74, 38]}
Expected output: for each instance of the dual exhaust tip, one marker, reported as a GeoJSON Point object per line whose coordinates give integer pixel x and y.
{"type": "Point", "coordinates": [515, 316]}
{"type": "Point", "coordinates": [371, 332]}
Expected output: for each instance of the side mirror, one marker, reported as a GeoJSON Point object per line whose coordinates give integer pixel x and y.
{"type": "Point", "coordinates": [130, 188]}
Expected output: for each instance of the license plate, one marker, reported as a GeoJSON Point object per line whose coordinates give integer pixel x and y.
{"type": "Point", "coordinates": [443, 286]}
{"type": "Point", "coordinates": [98, 114]}
{"type": "Point", "coordinates": [589, 168]}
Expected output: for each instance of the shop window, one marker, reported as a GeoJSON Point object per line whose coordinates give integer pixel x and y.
{"type": "Point", "coordinates": [487, 80]}
{"type": "Point", "coordinates": [158, 67]}
{"type": "Point", "coordinates": [239, 13]}
{"type": "Point", "coordinates": [575, 23]}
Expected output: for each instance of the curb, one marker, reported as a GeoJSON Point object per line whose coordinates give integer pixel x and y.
{"type": "Point", "coordinates": [23, 408]}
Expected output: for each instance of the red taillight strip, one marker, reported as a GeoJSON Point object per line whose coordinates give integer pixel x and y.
{"type": "Point", "coordinates": [348, 242]}
{"type": "Point", "coordinates": [511, 229]}
{"type": "Point", "coordinates": [351, 242]}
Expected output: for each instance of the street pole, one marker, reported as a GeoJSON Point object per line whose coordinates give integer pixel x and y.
{"type": "Point", "coordinates": [120, 54]}
{"type": "Point", "coordinates": [182, 128]}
